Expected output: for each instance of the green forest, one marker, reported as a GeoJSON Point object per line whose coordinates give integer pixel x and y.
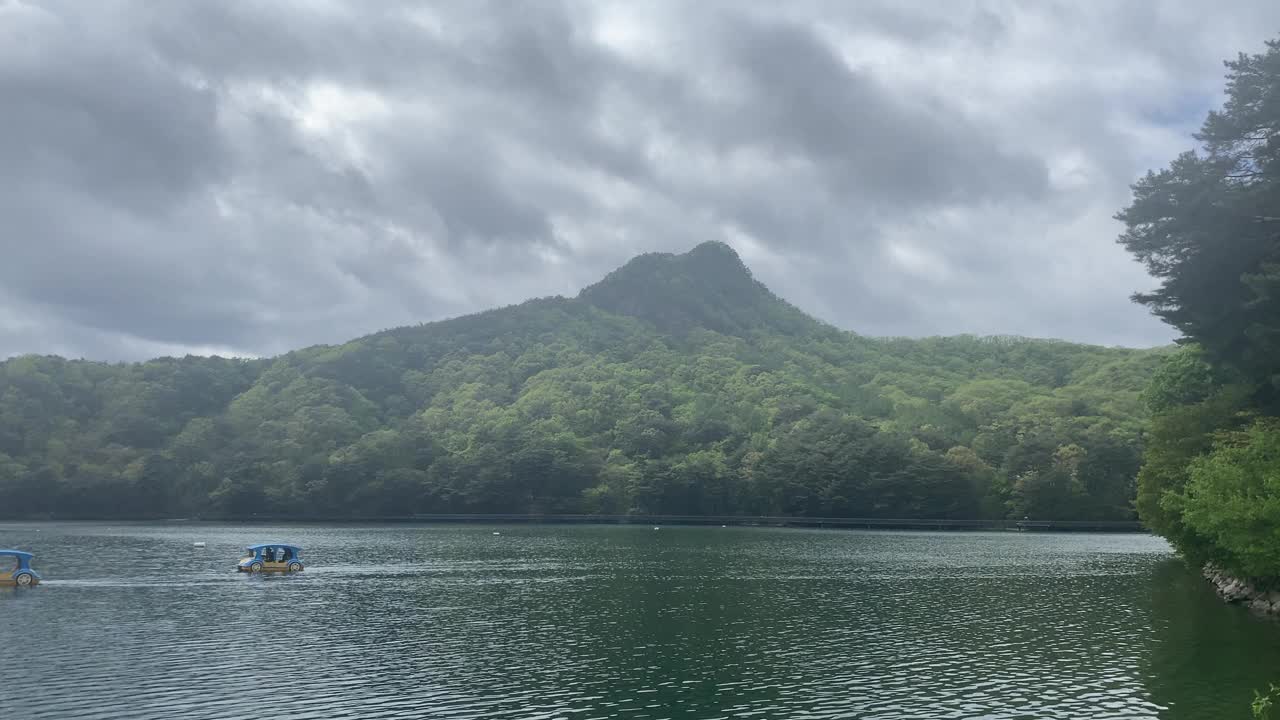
{"type": "Point", "coordinates": [1208, 226]}
{"type": "Point", "coordinates": [676, 385]}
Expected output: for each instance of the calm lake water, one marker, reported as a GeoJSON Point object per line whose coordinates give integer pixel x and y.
{"type": "Point", "coordinates": [587, 622]}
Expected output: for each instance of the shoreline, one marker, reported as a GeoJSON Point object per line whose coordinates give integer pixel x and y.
{"type": "Point", "coordinates": [1236, 591]}
{"type": "Point", "coordinates": [1093, 526]}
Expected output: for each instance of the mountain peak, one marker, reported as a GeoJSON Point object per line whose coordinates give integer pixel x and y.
{"type": "Point", "coordinates": [716, 252]}
{"type": "Point", "coordinates": [708, 287]}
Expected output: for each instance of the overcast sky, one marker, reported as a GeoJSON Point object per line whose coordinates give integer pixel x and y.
{"type": "Point", "coordinates": [247, 178]}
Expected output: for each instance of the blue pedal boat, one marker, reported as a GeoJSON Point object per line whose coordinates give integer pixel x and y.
{"type": "Point", "coordinates": [271, 557]}
{"type": "Point", "coordinates": [21, 574]}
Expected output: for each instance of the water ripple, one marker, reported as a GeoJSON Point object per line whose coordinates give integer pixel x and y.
{"type": "Point", "coordinates": [583, 623]}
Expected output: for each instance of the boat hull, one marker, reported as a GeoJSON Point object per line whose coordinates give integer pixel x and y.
{"type": "Point", "coordinates": [10, 582]}
{"type": "Point", "coordinates": [270, 568]}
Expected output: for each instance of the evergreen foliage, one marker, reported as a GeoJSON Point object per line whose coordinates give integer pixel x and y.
{"type": "Point", "coordinates": [1209, 227]}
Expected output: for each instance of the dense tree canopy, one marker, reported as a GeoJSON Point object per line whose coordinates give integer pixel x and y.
{"type": "Point", "coordinates": [678, 384]}
{"type": "Point", "coordinates": [1209, 227]}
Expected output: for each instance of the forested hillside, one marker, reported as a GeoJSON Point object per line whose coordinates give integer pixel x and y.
{"type": "Point", "coordinates": [678, 384]}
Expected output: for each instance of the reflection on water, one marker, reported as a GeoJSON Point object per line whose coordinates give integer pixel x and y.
{"type": "Point", "coordinates": [1206, 659]}
{"type": "Point", "coordinates": [621, 622]}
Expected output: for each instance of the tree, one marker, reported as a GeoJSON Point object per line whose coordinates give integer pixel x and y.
{"type": "Point", "coordinates": [1179, 434]}
{"type": "Point", "coordinates": [1209, 227]}
{"type": "Point", "coordinates": [1054, 491]}
{"type": "Point", "coordinates": [1233, 500]}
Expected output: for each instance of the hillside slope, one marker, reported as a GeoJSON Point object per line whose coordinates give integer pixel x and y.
{"type": "Point", "coordinates": [678, 384]}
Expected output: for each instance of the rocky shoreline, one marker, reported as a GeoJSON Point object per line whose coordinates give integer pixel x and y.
{"type": "Point", "coordinates": [1235, 590]}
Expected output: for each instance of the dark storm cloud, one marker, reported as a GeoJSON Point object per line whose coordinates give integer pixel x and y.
{"type": "Point", "coordinates": [103, 119]}
{"type": "Point", "coordinates": [245, 177]}
{"type": "Point", "coordinates": [886, 146]}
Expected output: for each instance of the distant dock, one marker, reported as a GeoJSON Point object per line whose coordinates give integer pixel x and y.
{"type": "Point", "coordinates": [834, 523]}
{"type": "Point", "coordinates": [804, 522]}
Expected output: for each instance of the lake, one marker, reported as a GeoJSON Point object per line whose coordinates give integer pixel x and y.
{"type": "Point", "coordinates": [585, 622]}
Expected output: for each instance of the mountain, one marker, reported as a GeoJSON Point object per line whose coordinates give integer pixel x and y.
{"type": "Point", "coordinates": [707, 288]}
{"type": "Point", "coordinates": [677, 384]}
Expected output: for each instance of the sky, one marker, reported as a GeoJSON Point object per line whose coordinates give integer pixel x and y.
{"type": "Point", "coordinates": [246, 178]}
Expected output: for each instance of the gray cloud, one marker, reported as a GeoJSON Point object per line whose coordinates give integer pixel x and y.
{"type": "Point", "coordinates": [246, 178]}
{"type": "Point", "coordinates": [887, 147]}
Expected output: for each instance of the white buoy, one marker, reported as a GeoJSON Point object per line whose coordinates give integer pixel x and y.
{"type": "Point", "coordinates": [199, 544]}
{"type": "Point", "coordinates": [656, 528]}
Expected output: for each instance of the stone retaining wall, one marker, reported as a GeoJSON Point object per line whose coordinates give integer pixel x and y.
{"type": "Point", "coordinates": [1235, 590]}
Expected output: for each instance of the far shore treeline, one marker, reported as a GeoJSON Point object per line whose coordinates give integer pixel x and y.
{"type": "Point", "coordinates": [677, 385]}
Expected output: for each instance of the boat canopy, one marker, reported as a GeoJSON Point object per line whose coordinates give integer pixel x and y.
{"type": "Point", "coordinates": [264, 546]}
